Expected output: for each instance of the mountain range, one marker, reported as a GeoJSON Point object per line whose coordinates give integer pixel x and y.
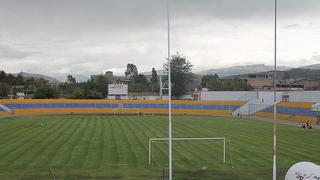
{"type": "Point", "coordinates": [37, 76]}
{"type": "Point", "coordinates": [222, 72]}
{"type": "Point", "coordinates": [314, 67]}
{"type": "Point", "coordinates": [237, 70]}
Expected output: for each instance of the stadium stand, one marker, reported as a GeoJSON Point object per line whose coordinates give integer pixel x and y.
{"type": "Point", "coordinates": [4, 110]}
{"type": "Point", "coordinates": [63, 106]}
{"type": "Point", "coordinates": [293, 111]}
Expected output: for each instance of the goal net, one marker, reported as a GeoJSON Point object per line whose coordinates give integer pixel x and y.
{"type": "Point", "coordinates": [125, 111]}
{"type": "Point", "coordinates": [222, 140]}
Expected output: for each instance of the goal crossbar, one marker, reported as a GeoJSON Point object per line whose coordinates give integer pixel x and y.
{"type": "Point", "coordinates": [151, 140]}
{"type": "Point", "coordinates": [122, 111]}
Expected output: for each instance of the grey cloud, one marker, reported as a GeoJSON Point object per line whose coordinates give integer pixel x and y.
{"type": "Point", "coordinates": [96, 15]}
{"type": "Point", "coordinates": [291, 26]}
{"type": "Point", "coordinates": [9, 52]}
{"type": "Point", "coordinates": [87, 36]}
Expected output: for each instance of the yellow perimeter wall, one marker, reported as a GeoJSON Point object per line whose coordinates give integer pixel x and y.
{"type": "Point", "coordinates": [120, 110]}
{"type": "Point", "coordinates": [306, 105]}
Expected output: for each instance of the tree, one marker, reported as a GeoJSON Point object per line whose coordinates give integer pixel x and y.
{"type": "Point", "coordinates": [140, 84]}
{"type": "Point", "coordinates": [154, 80]}
{"type": "Point", "coordinates": [19, 80]}
{"type": "Point", "coordinates": [131, 71]}
{"type": "Point", "coordinates": [11, 79]}
{"type": "Point", "coordinates": [94, 94]}
{"type": "Point", "coordinates": [77, 93]}
{"type": "Point", "coordinates": [41, 82]}
{"type": "Point", "coordinates": [213, 83]}
{"type": "Point", "coordinates": [4, 89]}
{"type": "Point", "coordinates": [102, 84]}
{"type": "Point", "coordinates": [3, 76]}
{"type": "Point", "coordinates": [181, 73]}
{"type": "Point", "coordinates": [45, 92]}
{"type": "Point", "coordinates": [71, 79]}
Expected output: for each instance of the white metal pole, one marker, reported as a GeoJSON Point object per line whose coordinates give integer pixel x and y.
{"type": "Point", "coordinates": [160, 86]}
{"type": "Point", "coordinates": [150, 151]}
{"type": "Point", "coordinates": [275, 96]}
{"type": "Point", "coordinates": [169, 83]}
{"type": "Point", "coordinates": [224, 150]}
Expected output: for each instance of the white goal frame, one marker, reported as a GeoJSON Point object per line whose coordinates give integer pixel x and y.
{"type": "Point", "coordinates": [151, 140]}
{"type": "Point", "coordinates": [122, 111]}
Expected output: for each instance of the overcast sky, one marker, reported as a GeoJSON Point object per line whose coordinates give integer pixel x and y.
{"type": "Point", "coordinates": [84, 37]}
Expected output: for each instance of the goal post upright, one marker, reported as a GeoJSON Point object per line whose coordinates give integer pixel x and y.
{"type": "Point", "coordinates": [274, 149]}
{"type": "Point", "coordinates": [169, 94]}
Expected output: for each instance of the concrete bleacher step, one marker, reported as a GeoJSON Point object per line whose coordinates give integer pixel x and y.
{"type": "Point", "coordinates": [5, 108]}
{"type": "Point", "coordinates": [315, 107]}
{"type": "Point", "coordinates": [252, 107]}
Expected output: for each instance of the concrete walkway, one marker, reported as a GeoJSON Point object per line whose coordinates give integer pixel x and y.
{"type": "Point", "coordinates": [281, 121]}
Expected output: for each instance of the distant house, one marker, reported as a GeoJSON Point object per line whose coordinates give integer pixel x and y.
{"type": "Point", "coordinates": [264, 81]}
{"type": "Point", "coordinates": [122, 79]}
{"type": "Point", "coordinates": [260, 81]}
{"type": "Point", "coordinates": [113, 79]}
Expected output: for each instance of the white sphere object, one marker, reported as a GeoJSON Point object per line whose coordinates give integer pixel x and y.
{"type": "Point", "coordinates": [303, 171]}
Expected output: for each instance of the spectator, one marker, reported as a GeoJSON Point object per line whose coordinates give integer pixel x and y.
{"type": "Point", "coordinates": [303, 125]}
{"type": "Point", "coordinates": [309, 126]}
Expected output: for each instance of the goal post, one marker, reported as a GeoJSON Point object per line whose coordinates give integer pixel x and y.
{"type": "Point", "coordinates": [223, 139]}
{"type": "Point", "coordinates": [126, 111]}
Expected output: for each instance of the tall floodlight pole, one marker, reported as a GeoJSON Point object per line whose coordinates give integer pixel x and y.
{"type": "Point", "coordinates": [169, 84]}
{"type": "Point", "coordinates": [275, 95]}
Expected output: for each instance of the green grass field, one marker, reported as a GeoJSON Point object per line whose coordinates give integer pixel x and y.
{"type": "Point", "coordinates": [108, 147]}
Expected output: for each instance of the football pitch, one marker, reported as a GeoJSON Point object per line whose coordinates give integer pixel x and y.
{"type": "Point", "coordinates": [116, 147]}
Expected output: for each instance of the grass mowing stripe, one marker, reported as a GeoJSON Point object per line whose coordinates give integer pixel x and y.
{"type": "Point", "coordinates": [81, 150]}
{"type": "Point", "coordinates": [89, 141]}
{"type": "Point", "coordinates": [184, 131]}
{"type": "Point", "coordinates": [5, 131]}
{"type": "Point", "coordinates": [146, 126]}
{"type": "Point", "coordinates": [48, 143]}
{"type": "Point", "coordinates": [21, 136]}
{"type": "Point", "coordinates": [251, 147]}
{"type": "Point", "coordinates": [62, 154]}
{"type": "Point", "coordinates": [113, 155]}
{"type": "Point", "coordinates": [102, 120]}
{"type": "Point", "coordinates": [16, 148]}
{"type": "Point", "coordinates": [72, 155]}
{"type": "Point", "coordinates": [106, 142]}
{"type": "Point", "coordinates": [130, 140]}
{"type": "Point", "coordinates": [131, 156]}
{"type": "Point", "coordinates": [65, 137]}
{"type": "Point", "coordinates": [123, 146]}
{"type": "Point", "coordinates": [201, 151]}
{"type": "Point", "coordinates": [178, 155]}
{"type": "Point", "coordinates": [94, 152]}
{"type": "Point", "coordinates": [221, 128]}
{"type": "Point", "coordinates": [140, 146]}
{"type": "Point", "coordinates": [35, 147]}
{"type": "Point", "coordinates": [195, 147]}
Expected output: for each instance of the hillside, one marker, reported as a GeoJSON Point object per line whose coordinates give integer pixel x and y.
{"type": "Point", "coordinates": [313, 66]}
{"type": "Point", "coordinates": [37, 76]}
{"type": "Point", "coordinates": [296, 73]}
{"type": "Point", "coordinates": [237, 70]}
